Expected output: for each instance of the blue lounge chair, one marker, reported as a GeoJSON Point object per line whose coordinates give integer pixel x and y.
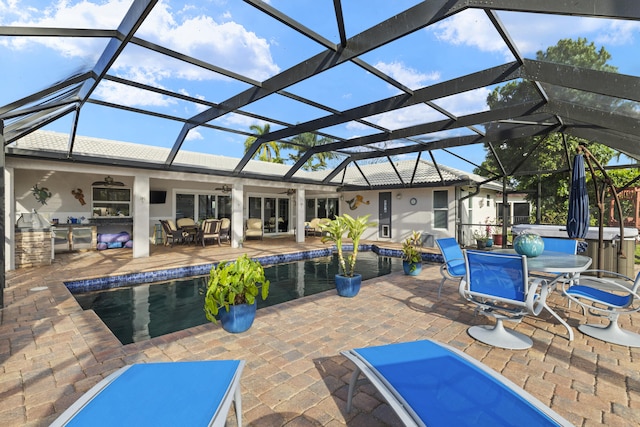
{"type": "Point", "coordinates": [453, 267]}
{"type": "Point", "coordinates": [430, 384]}
{"type": "Point", "coordinates": [161, 394]}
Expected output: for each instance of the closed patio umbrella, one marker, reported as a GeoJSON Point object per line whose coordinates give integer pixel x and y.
{"type": "Point", "coordinates": [578, 217]}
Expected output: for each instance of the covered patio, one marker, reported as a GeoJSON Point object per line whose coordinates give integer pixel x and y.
{"type": "Point", "coordinates": [52, 351]}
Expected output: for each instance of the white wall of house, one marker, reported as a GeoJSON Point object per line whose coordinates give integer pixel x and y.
{"type": "Point", "coordinates": [411, 209]}
{"type": "Point", "coordinates": [405, 216]}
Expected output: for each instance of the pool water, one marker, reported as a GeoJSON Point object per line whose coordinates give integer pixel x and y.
{"type": "Point", "coordinates": [137, 313]}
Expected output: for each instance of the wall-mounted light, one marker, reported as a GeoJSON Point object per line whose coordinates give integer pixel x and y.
{"type": "Point", "coordinates": [399, 196]}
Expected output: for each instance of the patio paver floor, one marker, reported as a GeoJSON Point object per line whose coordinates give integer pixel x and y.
{"type": "Point", "coordinates": [51, 351]}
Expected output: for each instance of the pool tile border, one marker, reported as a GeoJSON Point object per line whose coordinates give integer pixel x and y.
{"type": "Point", "coordinates": [110, 282]}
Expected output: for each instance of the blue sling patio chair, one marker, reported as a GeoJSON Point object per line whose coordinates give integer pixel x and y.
{"type": "Point", "coordinates": [453, 267]}
{"type": "Point", "coordinates": [606, 294]}
{"type": "Point", "coordinates": [554, 244]}
{"type": "Point", "coordinates": [196, 393]}
{"type": "Point", "coordinates": [567, 246]}
{"type": "Point", "coordinates": [500, 286]}
{"type": "Point", "coordinates": [432, 384]}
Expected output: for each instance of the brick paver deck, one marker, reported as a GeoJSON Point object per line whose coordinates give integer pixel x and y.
{"type": "Point", "coordinates": [51, 351]}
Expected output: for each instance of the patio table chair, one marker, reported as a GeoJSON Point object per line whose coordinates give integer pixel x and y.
{"type": "Point", "coordinates": [197, 393]}
{"type": "Point", "coordinates": [453, 267]}
{"type": "Point", "coordinates": [172, 233]}
{"type": "Point", "coordinates": [210, 230]}
{"type": "Point", "coordinates": [606, 294]}
{"type": "Point", "coordinates": [225, 230]}
{"type": "Point", "coordinates": [501, 288]}
{"type": "Point", "coordinates": [428, 383]}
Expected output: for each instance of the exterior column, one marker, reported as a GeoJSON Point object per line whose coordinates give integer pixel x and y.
{"type": "Point", "coordinates": [300, 215]}
{"type": "Point", "coordinates": [141, 233]}
{"type": "Point", "coordinates": [3, 219]}
{"type": "Point", "coordinates": [237, 214]}
{"type": "Point", "coordinates": [9, 220]}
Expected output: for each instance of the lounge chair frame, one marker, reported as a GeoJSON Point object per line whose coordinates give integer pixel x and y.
{"type": "Point", "coordinates": [428, 351]}
{"type": "Point", "coordinates": [157, 403]}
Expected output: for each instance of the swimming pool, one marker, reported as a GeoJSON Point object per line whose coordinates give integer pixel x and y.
{"type": "Point", "coordinates": [139, 312]}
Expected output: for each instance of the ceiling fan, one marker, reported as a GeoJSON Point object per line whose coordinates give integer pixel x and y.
{"type": "Point", "coordinates": [225, 188]}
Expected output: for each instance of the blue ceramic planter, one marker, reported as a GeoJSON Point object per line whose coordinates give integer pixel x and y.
{"type": "Point", "coordinates": [412, 268]}
{"type": "Point", "coordinates": [348, 286]}
{"type": "Point", "coordinates": [528, 244]}
{"type": "Point", "coordinates": [239, 318]}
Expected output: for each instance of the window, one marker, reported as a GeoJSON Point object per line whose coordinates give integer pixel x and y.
{"type": "Point", "coordinates": [255, 207]}
{"type": "Point", "coordinates": [322, 208]}
{"type": "Point", "coordinates": [109, 201]}
{"type": "Point", "coordinates": [441, 209]}
{"type": "Point", "coordinates": [200, 206]}
{"type": "Point", "coordinates": [185, 206]}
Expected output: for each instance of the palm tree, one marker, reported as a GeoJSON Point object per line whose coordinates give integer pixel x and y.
{"type": "Point", "coordinates": [268, 151]}
{"type": "Point", "coordinates": [302, 142]}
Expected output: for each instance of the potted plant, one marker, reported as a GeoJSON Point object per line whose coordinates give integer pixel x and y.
{"type": "Point", "coordinates": [347, 283]}
{"type": "Point", "coordinates": [235, 286]}
{"type": "Point", "coordinates": [481, 238]}
{"type": "Point", "coordinates": [411, 256]}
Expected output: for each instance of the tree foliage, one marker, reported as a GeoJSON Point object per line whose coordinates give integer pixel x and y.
{"type": "Point", "coordinates": [533, 162]}
{"type": "Point", "coordinates": [268, 151]}
{"type": "Point", "coordinates": [272, 151]}
{"type": "Point", "coordinates": [303, 142]}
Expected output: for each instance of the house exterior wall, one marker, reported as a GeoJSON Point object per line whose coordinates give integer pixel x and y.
{"type": "Point", "coordinates": [405, 216]}
{"type": "Point", "coordinates": [411, 209]}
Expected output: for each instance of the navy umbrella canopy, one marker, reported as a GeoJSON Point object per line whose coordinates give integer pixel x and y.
{"type": "Point", "coordinates": [578, 218]}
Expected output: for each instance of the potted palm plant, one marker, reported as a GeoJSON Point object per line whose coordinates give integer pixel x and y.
{"type": "Point", "coordinates": [347, 280]}
{"type": "Point", "coordinates": [235, 286]}
{"type": "Point", "coordinates": [411, 256]}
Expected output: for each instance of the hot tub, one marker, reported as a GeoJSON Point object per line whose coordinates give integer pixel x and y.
{"type": "Point", "coordinates": [611, 239]}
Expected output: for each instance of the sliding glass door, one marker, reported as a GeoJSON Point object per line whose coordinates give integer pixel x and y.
{"type": "Point", "coordinates": [275, 216]}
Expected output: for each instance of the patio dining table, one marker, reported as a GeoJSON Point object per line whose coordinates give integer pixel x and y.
{"type": "Point", "coordinates": [192, 231]}
{"type": "Point", "coordinates": [559, 264]}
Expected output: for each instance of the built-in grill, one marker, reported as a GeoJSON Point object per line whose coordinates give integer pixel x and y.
{"type": "Point", "coordinates": [34, 246]}
{"type": "Point", "coordinates": [33, 221]}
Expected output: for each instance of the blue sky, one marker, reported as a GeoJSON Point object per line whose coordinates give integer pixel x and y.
{"type": "Point", "coordinates": [236, 37]}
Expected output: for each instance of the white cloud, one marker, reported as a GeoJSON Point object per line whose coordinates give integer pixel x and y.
{"type": "Point", "coordinates": [619, 33]}
{"type": "Point", "coordinates": [471, 27]}
{"type": "Point", "coordinates": [405, 117]}
{"type": "Point", "coordinates": [226, 44]}
{"type": "Point", "coordinates": [533, 32]}
{"type": "Point", "coordinates": [194, 135]}
{"type": "Point", "coordinates": [408, 76]}
{"type": "Point", "coordinates": [530, 32]}
{"type": "Point", "coordinates": [238, 120]}
{"type": "Point", "coordinates": [464, 103]}
{"type": "Point", "coordinates": [130, 96]}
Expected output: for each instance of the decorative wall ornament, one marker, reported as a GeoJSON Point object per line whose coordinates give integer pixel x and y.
{"type": "Point", "coordinates": [357, 201]}
{"type": "Point", "coordinates": [79, 195]}
{"type": "Point", "coordinates": [41, 194]}
{"type": "Point", "coordinates": [109, 182]}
